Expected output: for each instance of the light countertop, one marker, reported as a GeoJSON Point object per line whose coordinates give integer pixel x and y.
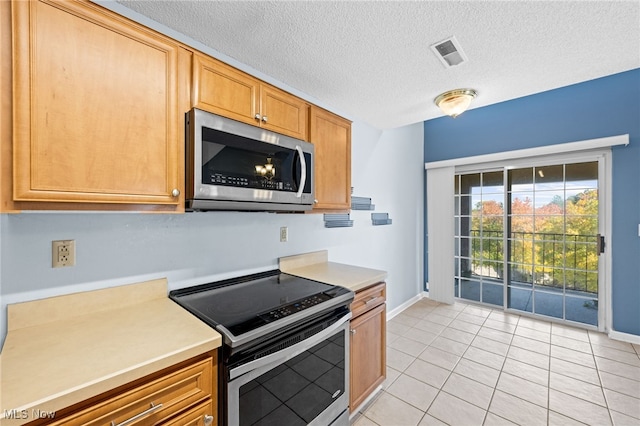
{"type": "Point", "coordinates": [315, 266]}
{"type": "Point", "coordinates": [63, 350]}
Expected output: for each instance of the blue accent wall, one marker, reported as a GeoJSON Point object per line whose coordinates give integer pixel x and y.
{"type": "Point", "coordinates": [597, 108]}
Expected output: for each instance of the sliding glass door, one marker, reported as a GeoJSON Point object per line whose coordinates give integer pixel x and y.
{"type": "Point", "coordinates": [479, 242]}
{"type": "Point", "coordinates": [527, 239]}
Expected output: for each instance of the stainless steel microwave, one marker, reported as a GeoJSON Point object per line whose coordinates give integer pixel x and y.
{"type": "Point", "coordinates": [235, 166]}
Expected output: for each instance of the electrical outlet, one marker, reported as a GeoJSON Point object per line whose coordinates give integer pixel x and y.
{"type": "Point", "coordinates": [284, 234]}
{"type": "Point", "coordinates": [63, 253]}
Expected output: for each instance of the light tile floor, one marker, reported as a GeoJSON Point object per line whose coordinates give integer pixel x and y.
{"type": "Point", "coordinates": [467, 365]}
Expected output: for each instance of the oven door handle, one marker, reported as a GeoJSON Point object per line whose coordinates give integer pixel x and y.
{"type": "Point", "coordinates": [303, 171]}
{"type": "Point", "coordinates": [291, 351]}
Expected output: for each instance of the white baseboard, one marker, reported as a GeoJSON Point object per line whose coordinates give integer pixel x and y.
{"type": "Point", "coordinates": [405, 305]}
{"type": "Point", "coordinates": [625, 337]}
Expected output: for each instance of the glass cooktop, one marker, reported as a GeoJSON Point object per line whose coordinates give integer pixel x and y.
{"type": "Point", "coordinates": [247, 303]}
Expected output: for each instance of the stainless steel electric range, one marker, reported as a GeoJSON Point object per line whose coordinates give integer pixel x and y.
{"type": "Point", "coordinates": [285, 357]}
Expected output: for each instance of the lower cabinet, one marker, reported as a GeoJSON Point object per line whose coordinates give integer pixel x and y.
{"type": "Point", "coordinates": [185, 394]}
{"type": "Point", "coordinates": [368, 343]}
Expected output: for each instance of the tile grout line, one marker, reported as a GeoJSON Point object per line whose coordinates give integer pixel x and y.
{"type": "Point", "coordinates": [493, 392]}
{"type": "Point", "coordinates": [604, 394]}
{"type": "Point", "coordinates": [448, 376]}
{"type": "Point", "coordinates": [476, 334]}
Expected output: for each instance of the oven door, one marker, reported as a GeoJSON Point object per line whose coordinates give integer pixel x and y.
{"type": "Point", "coordinates": [233, 165]}
{"type": "Point", "coordinates": [307, 383]}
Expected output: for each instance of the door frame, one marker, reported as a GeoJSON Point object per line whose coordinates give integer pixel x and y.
{"type": "Point", "coordinates": [567, 152]}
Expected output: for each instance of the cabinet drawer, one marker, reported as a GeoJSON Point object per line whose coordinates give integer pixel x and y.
{"type": "Point", "coordinates": [368, 298]}
{"type": "Point", "coordinates": [170, 393]}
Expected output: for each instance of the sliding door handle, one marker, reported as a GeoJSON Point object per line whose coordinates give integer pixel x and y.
{"type": "Point", "coordinates": [600, 244]}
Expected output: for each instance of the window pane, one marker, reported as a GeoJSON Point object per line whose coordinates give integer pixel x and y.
{"type": "Point", "coordinates": [548, 253]}
{"type": "Point", "coordinates": [549, 227]}
{"type": "Point", "coordinates": [521, 274]}
{"type": "Point", "coordinates": [492, 183]}
{"type": "Point", "coordinates": [582, 175]}
{"type": "Point", "coordinates": [521, 179]}
{"type": "Point", "coordinates": [521, 251]}
{"type": "Point", "coordinates": [549, 202]}
{"type": "Point", "coordinates": [547, 276]}
{"type": "Point", "coordinates": [492, 270]}
{"type": "Point", "coordinates": [586, 227]}
{"type": "Point", "coordinates": [519, 298]}
{"type": "Point", "coordinates": [470, 290]}
{"type": "Point", "coordinates": [549, 177]}
{"type": "Point", "coordinates": [463, 246]}
{"type": "Point", "coordinates": [549, 304]}
{"type": "Point", "coordinates": [521, 203]}
{"type": "Point", "coordinates": [492, 294]}
{"type": "Point", "coordinates": [468, 182]}
{"type": "Point", "coordinates": [465, 267]}
{"type": "Point", "coordinates": [522, 225]}
{"type": "Point", "coordinates": [581, 310]}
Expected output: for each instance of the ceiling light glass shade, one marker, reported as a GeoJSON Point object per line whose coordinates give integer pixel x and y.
{"type": "Point", "coordinates": [455, 102]}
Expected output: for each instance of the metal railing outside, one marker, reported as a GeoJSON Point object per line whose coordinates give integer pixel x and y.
{"type": "Point", "coordinates": [555, 260]}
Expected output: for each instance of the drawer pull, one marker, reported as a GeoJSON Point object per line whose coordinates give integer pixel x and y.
{"type": "Point", "coordinates": [371, 300]}
{"type": "Point", "coordinates": [146, 412]}
{"type": "Point", "coordinates": [208, 420]}
{"type": "Point", "coordinates": [353, 331]}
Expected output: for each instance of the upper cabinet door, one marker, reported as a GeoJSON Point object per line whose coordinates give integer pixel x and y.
{"type": "Point", "coordinates": [95, 108]}
{"type": "Point", "coordinates": [283, 113]}
{"type": "Point", "coordinates": [331, 137]}
{"type": "Point", "coordinates": [223, 90]}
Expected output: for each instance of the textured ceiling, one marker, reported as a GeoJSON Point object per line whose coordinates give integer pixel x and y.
{"type": "Point", "coordinates": [372, 60]}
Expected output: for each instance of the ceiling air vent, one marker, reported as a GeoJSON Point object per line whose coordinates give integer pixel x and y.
{"type": "Point", "coordinates": [449, 52]}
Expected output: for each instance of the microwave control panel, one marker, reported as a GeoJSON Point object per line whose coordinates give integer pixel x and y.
{"type": "Point", "coordinates": [212, 178]}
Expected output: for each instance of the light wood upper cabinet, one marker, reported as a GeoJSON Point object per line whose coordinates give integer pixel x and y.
{"type": "Point", "coordinates": [224, 90]}
{"type": "Point", "coordinates": [283, 113]}
{"type": "Point", "coordinates": [95, 101]}
{"type": "Point", "coordinates": [331, 137]}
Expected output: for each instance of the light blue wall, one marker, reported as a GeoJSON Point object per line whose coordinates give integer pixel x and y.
{"type": "Point", "coordinates": [598, 108]}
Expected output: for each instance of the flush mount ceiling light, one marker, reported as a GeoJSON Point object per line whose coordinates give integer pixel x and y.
{"type": "Point", "coordinates": [455, 102]}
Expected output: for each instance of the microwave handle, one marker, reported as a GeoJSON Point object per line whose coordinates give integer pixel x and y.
{"type": "Point", "coordinates": [303, 171]}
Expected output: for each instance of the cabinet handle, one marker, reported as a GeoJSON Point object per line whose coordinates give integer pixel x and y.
{"type": "Point", "coordinates": [175, 192]}
{"type": "Point", "coordinates": [371, 300]}
{"type": "Point", "coordinates": [264, 118]}
{"type": "Point", "coordinates": [208, 420]}
{"type": "Point", "coordinates": [139, 416]}
{"type": "Point", "coordinates": [353, 331]}
{"type": "Point", "coordinates": [257, 117]}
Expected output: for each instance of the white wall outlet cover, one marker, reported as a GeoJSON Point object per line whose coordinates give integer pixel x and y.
{"type": "Point", "coordinates": [284, 234]}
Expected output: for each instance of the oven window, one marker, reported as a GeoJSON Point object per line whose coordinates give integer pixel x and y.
{"type": "Point", "coordinates": [296, 392]}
